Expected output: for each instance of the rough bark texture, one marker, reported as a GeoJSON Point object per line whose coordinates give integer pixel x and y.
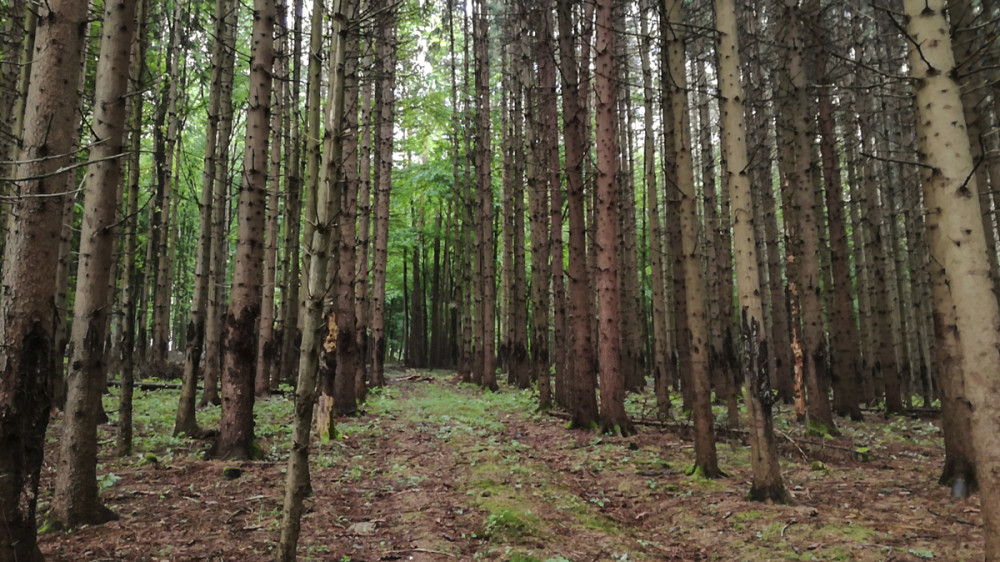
{"type": "Point", "coordinates": [537, 207]}
{"type": "Point", "coordinates": [767, 483]}
{"type": "Point", "coordinates": [239, 337]}
{"type": "Point", "coordinates": [612, 414]}
{"type": "Point", "coordinates": [265, 346]}
{"type": "Point", "coordinates": [76, 496]}
{"type": "Point", "coordinates": [385, 54]}
{"type": "Point", "coordinates": [349, 360]}
{"type": "Point", "coordinates": [550, 163]}
{"type": "Point", "coordinates": [127, 285]}
{"type": "Point", "coordinates": [950, 193]}
{"type": "Point", "coordinates": [220, 194]}
{"type": "Point", "coordinates": [844, 360]}
{"type": "Point", "coordinates": [318, 333]}
{"type": "Point", "coordinates": [27, 317]}
{"type": "Point", "coordinates": [706, 461]}
{"type": "Point", "coordinates": [484, 195]}
{"type": "Point", "coordinates": [658, 359]}
{"type": "Point", "coordinates": [583, 401]}
{"type": "Point", "coordinates": [185, 421]}
{"type": "Point", "coordinates": [803, 232]}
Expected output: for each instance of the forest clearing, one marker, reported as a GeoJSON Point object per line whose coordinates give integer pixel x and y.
{"type": "Point", "coordinates": [435, 469]}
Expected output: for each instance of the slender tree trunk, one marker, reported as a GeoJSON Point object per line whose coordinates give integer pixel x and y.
{"type": "Point", "coordinates": [846, 373]}
{"type": "Point", "coordinates": [220, 192]}
{"type": "Point", "coordinates": [706, 461]}
{"type": "Point", "coordinates": [236, 432]}
{"type": "Point", "coordinates": [484, 199]}
{"type": "Point", "coordinates": [958, 242]}
{"type": "Point", "coordinates": [76, 496]}
{"type": "Point", "coordinates": [583, 400]}
{"type": "Point", "coordinates": [265, 345]}
{"type": "Point", "coordinates": [313, 337]}
{"type": "Point", "coordinates": [348, 354]}
{"type": "Point", "coordinates": [767, 483]}
{"type": "Point", "coordinates": [612, 413]}
{"type": "Point", "coordinates": [185, 421]}
{"type": "Point", "coordinates": [362, 273]}
{"type": "Point", "coordinates": [658, 361]}
{"type": "Point", "coordinates": [30, 259]}
{"type": "Point", "coordinates": [385, 53]}
{"type": "Point", "coordinates": [803, 231]}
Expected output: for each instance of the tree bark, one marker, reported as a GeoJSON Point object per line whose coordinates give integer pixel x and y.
{"type": "Point", "coordinates": [385, 53]}
{"type": "Point", "coordinates": [706, 461]}
{"type": "Point", "coordinates": [27, 363]}
{"type": "Point", "coordinates": [950, 193]}
{"type": "Point", "coordinates": [76, 497]}
{"type": "Point", "coordinates": [236, 432]}
{"type": "Point", "coordinates": [767, 483]}
{"type": "Point", "coordinates": [583, 370]}
{"type": "Point", "coordinates": [612, 414]}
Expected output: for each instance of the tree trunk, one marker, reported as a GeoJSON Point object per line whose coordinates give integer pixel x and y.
{"type": "Point", "coordinates": [958, 241]}
{"type": "Point", "coordinates": [185, 421]}
{"type": "Point", "coordinates": [265, 345]}
{"type": "Point", "coordinates": [845, 363]}
{"type": "Point", "coordinates": [313, 336]}
{"type": "Point", "coordinates": [236, 432]}
{"type": "Point", "coordinates": [385, 53]}
{"type": "Point", "coordinates": [220, 230]}
{"type": "Point", "coordinates": [345, 395]}
{"type": "Point", "coordinates": [486, 316]}
{"type": "Point", "coordinates": [706, 462]}
{"type": "Point", "coordinates": [76, 497]}
{"type": "Point", "coordinates": [767, 484]}
{"type": "Point", "coordinates": [803, 231]}
{"type": "Point", "coordinates": [583, 400]}
{"type": "Point", "coordinates": [30, 258]}
{"type": "Point", "coordinates": [658, 361]}
{"type": "Point", "coordinates": [612, 413]}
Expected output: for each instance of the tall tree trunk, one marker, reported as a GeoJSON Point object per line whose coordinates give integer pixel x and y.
{"type": "Point", "coordinates": [484, 196]}
{"type": "Point", "coordinates": [76, 495]}
{"type": "Point", "coordinates": [803, 231]}
{"type": "Point", "coordinates": [706, 461]}
{"type": "Point", "coordinates": [767, 484]}
{"type": "Point", "coordinates": [362, 273]}
{"type": "Point", "coordinates": [845, 364]}
{"type": "Point", "coordinates": [185, 421]}
{"type": "Point", "coordinates": [549, 162]}
{"type": "Point", "coordinates": [348, 353]}
{"type": "Point", "coordinates": [265, 344]}
{"type": "Point", "coordinates": [658, 361]}
{"type": "Point", "coordinates": [313, 338]}
{"type": "Point", "coordinates": [958, 241]}
{"type": "Point", "coordinates": [385, 54]}
{"type": "Point", "coordinates": [239, 337]}
{"type": "Point", "coordinates": [612, 413]}
{"type": "Point", "coordinates": [127, 284]}
{"type": "Point", "coordinates": [583, 370]}
{"type": "Point", "coordinates": [220, 192]}
{"type": "Point", "coordinates": [27, 363]}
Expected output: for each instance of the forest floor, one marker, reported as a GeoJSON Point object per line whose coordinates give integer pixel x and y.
{"type": "Point", "coordinates": [438, 470]}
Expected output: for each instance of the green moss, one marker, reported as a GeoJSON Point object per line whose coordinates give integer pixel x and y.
{"type": "Point", "coordinates": [751, 515]}
{"type": "Point", "coordinates": [510, 525]}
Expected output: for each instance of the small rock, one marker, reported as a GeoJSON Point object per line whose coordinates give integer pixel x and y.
{"type": "Point", "coordinates": [362, 528]}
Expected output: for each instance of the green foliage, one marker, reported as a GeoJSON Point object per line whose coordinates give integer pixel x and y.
{"type": "Point", "coordinates": [509, 525]}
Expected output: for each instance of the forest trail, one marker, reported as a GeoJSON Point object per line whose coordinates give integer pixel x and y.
{"type": "Point", "coordinates": [438, 470]}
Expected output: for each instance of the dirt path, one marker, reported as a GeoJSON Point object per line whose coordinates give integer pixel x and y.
{"type": "Point", "coordinates": [436, 470]}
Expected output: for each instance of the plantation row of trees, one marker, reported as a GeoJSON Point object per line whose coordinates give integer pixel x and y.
{"type": "Point", "coordinates": [738, 200]}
